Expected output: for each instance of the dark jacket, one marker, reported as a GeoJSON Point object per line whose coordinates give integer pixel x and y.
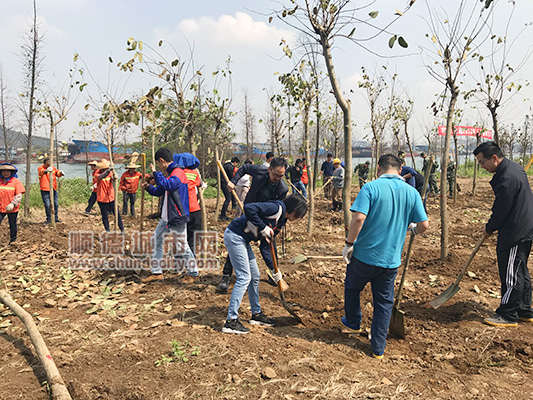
{"type": "Point", "coordinates": [178, 194]}
{"type": "Point", "coordinates": [328, 168]}
{"type": "Point", "coordinates": [260, 182]}
{"type": "Point", "coordinates": [229, 169]}
{"type": "Point", "coordinates": [295, 173]}
{"type": "Point", "coordinates": [256, 217]}
{"type": "Point", "coordinates": [512, 211]}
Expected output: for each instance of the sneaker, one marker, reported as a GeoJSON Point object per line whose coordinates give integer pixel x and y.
{"type": "Point", "coordinates": [153, 278]}
{"type": "Point", "coordinates": [234, 326]}
{"type": "Point", "coordinates": [498, 320]}
{"type": "Point", "coordinates": [224, 283]}
{"type": "Point", "coordinates": [86, 213]}
{"type": "Point", "coordinates": [351, 328]}
{"type": "Point", "coordinates": [377, 356]}
{"type": "Point", "coordinates": [262, 319]}
{"type": "Point", "coordinates": [525, 319]}
{"type": "Point", "coordinates": [188, 279]}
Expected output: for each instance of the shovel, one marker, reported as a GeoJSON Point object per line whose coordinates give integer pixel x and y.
{"type": "Point", "coordinates": [281, 295]}
{"type": "Point", "coordinates": [454, 288]}
{"type": "Point", "coordinates": [302, 257]}
{"type": "Point", "coordinates": [397, 327]}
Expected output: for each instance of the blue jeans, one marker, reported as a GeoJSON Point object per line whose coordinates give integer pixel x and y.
{"type": "Point", "coordinates": [247, 273]}
{"type": "Point", "coordinates": [183, 253]}
{"type": "Point", "coordinates": [45, 194]}
{"type": "Point", "coordinates": [301, 187]}
{"type": "Point", "coordinates": [358, 274]}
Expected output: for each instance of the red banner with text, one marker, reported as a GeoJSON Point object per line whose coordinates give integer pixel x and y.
{"type": "Point", "coordinates": [467, 131]}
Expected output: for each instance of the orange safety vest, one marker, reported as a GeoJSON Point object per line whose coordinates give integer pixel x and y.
{"type": "Point", "coordinates": [130, 183]}
{"type": "Point", "coordinates": [8, 190]}
{"type": "Point", "coordinates": [44, 178]}
{"type": "Point", "coordinates": [305, 178]}
{"type": "Point", "coordinates": [105, 192]}
{"type": "Point", "coordinates": [193, 181]}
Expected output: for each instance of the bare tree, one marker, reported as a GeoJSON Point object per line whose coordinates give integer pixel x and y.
{"type": "Point", "coordinates": [248, 121]}
{"type": "Point", "coordinates": [454, 39]}
{"type": "Point", "coordinates": [32, 67]}
{"type": "Point", "coordinates": [6, 110]}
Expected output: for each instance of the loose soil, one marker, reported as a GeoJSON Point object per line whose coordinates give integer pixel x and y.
{"type": "Point", "coordinates": [108, 333]}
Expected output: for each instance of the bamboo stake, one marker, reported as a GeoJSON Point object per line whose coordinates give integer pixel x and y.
{"type": "Point", "coordinates": [53, 377]}
{"type": "Point", "coordinates": [143, 171]}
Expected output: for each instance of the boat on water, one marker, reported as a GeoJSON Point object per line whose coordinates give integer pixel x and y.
{"type": "Point", "coordinates": [82, 151]}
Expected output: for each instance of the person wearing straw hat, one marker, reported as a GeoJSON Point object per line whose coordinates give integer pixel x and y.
{"type": "Point", "coordinates": [105, 192]}
{"type": "Point", "coordinates": [11, 190]}
{"type": "Point", "coordinates": [129, 183]}
{"type": "Point", "coordinates": [92, 199]}
{"type": "Point", "coordinates": [44, 172]}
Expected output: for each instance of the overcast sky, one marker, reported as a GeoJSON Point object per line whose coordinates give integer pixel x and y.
{"type": "Point", "coordinates": [97, 29]}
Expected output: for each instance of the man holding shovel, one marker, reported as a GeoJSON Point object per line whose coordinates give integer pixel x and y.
{"type": "Point", "coordinates": [383, 210]}
{"type": "Point", "coordinates": [512, 217]}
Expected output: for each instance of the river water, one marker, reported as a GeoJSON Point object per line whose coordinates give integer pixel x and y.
{"type": "Point", "coordinates": [70, 170]}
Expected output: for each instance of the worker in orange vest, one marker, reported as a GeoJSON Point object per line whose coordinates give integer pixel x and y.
{"type": "Point", "coordinates": [105, 192]}
{"type": "Point", "coordinates": [44, 172]}
{"type": "Point", "coordinates": [305, 177]}
{"type": "Point", "coordinates": [11, 190]}
{"type": "Point", "coordinates": [129, 183]}
{"type": "Point", "coordinates": [92, 199]}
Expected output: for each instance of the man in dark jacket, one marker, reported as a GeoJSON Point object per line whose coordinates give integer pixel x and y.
{"type": "Point", "coordinates": [229, 168]}
{"type": "Point", "coordinates": [327, 170]}
{"type": "Point", "coordinates": [174, 216]}
{"type": "Point", "coordinates": [267, 184]}
{"type": "Point", "coordinates": [294, 173]}
{"type": "Point", "coordinates": [512, 217]}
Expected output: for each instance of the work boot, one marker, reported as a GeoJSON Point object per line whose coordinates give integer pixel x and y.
{"type": "Point", "coordinates": [498, 320]}
{"type": "Point", "coordinates": [153, 278]}
{"type": "Point", "coordinates": [224, 283]}
{"type": "Point", "coordinates": [334, 207]}
{"type": "Point", "coordinates": [189, 279]}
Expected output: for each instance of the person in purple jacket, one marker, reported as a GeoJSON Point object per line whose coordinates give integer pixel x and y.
{"type": "Point", "coordinates": [260, 220]}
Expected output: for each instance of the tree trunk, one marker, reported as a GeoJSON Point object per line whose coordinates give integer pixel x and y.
{"type": "Point", "coordinates": [347, 129]}
{"type": "Point", "coordinates": [310, 191]}
{"type": "Point", "coordinates": [219, 182]}
{"type": "Point", "coordinates": [51, 175]}
{"type": "Point", "coordinates": [444, 165]}
{"type": "Point", "coordinates": [455, 169]}
{"type": "Point", "coordinates": [494, 115]}
{"type": "Point", "coordinates": [53, 377]}
{"type": "Point", "coordinates": [476, 167]}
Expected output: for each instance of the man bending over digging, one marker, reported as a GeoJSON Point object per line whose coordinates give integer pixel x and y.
{"type": "Point", "coordinates": [259, 220]}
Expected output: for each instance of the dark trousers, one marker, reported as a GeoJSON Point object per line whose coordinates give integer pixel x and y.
{"type": "Point", "coordinates": [228, 197]}
{"type": "Point", "coordinates": [45, 195]}
{"type": "Point", "coordinates": [106, 209]}
{"type": "Point", "coordinates": [12, 218]}
{"type": "Point", "coordinates": [515, 282]}
{"type": "Point", "coordinates": [194, 225]}
{"type": "Point", "coordinates": [92, 200]}
{"type": "Point", "coordinates": [358, 274]}
{"type": "Point", "coordinates": [128, 197]}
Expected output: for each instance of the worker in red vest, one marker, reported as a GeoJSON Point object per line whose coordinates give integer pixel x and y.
{"type": "Point", "coordinates": [129, 183]}
{"type": "Point", "coordinates": [105, 192]}
{"type": "Point", "coordinates": [44, 172]}
{"type": "Point", "coordinates": [92, 199]}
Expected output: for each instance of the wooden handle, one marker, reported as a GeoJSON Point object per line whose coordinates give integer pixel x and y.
{"type": "Point", "coordinates": [282, 285]}
{"type": "Point", "coordinates": [239, 202]}
{"type": "Point", "coordinates": [478, 245]}
{"type": "Point", "coordinates": [143, 172]}
{"type": "Point", "coordinates": [404, 273]}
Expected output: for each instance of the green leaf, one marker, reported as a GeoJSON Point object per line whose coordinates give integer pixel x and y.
{"type": "Point", "coordinates": [82, 87]}
{"type": "Point", "coordinates": [392, 40]}
{"type": "Point", "coordinates": [352, 32]}
{"type": "Point", "coordinates": [92, 310]}
{"type": "Point", "coordinates": [402, 42]}
{"type": "Point", "coordinates": [373, 14]}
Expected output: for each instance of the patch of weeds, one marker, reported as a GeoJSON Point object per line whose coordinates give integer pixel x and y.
{"type": "Point", "coordinates": [180, 353]}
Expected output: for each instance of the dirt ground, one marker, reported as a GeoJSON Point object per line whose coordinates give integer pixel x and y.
{"type": "Point", "coordinates": [110, 335]}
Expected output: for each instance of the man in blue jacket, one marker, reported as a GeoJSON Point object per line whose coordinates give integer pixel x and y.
{"type": "Point", "coordinates": [174, 215]}
{"type": "Point", "coordinates": [512, 217]}
{"type": "Point", "coordinates": [267, 184]}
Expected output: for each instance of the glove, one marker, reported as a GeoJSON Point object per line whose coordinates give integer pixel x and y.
{"type": "Point", "coordinates": [347, 253]}
{"type": "Point", "coordinates": [10, 207]}
{"type": "Point", "coordinates": [412, 228]}
{"type": "Point", "coordinates": [268, 233]}
{"type": "Point", "coordinates": [94, 186]}
{"type": "Point", "coordinates": [61, 173]}
{"type": "Point", "coordinates": [204, 185]}
{"type": "Point", "coordinates": [277, 277]}
{"type": "Point", "coordinates": [50, 169]}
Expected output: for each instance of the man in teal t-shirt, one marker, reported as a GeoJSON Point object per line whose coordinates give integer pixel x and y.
{"type": "Point", "coordinates": [383, 211]}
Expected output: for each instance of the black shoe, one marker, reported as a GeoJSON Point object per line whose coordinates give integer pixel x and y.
{"type": "Point", "coordinates": [234, 326]}
{"type": "Point", "coordinates": [262, 319]}
{"type": "Point", "coordinates": [224, 283]}
{"type": "Point", "coordinates": [58, 221]}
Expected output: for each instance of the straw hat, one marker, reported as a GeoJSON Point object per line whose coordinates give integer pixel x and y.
{"type": "Point", "coordinates": [103, 164]}
{"type": "Point", "coordinates": [93, 162]}
{"type": "Point", "coordinates": [132, 166]}
{"type": "Point", "coordinates": [7, 167]}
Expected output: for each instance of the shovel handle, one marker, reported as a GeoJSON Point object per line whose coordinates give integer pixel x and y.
{"type": "Point", "coordinates": [239, 202]}
{"type": "Point", "coordinates": [404, 273]}
{"type": "Point", "coordinates": [478, 245]}
{"type": "Point", "coordinates": [275, 263]}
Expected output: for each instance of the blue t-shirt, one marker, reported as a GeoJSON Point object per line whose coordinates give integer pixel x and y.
{"type": "Point", "coordinates": [408, 170]}
{"type": "Point", "coordinates": [328, 168]}
{"type": "Point", "coordinates": [390, 206]}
